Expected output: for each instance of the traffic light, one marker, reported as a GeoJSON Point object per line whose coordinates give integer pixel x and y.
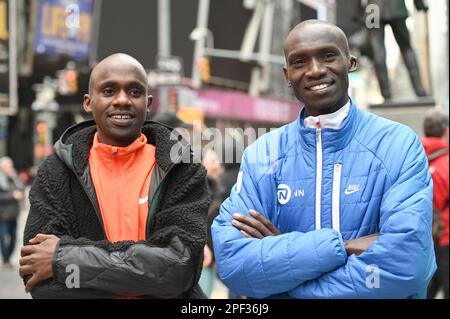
{"type": "Point", "coordinates": [68, 80]}
{"type": "Point", "coordinates": [72, 81]}
{"type": "Point", "coordinates": [40, 147]}
{"type": "Point", "coordinates": [172, 100]}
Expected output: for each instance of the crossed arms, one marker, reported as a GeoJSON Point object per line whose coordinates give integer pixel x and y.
{"type": "Point", "coordinates": [259, 227]}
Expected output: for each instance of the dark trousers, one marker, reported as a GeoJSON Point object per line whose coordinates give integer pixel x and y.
{"type": "Point", "coordinates": [440, 278]}
{"type": "Point", "coordinates": [402, 37]}
{"type": "Point", "coordinates": [7, 238]}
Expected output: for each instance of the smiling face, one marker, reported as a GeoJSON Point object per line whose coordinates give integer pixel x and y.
{"type": "Point", "coordinates": [118, 99]}
{"type": "Point", "coordinates": [317, 67]}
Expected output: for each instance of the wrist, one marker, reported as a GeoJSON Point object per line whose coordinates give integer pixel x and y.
{"type": "Point", "coordinates": [348, 247]}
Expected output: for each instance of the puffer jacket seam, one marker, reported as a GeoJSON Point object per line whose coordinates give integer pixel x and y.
{"type": "Point", "coordinates": [246, 277]}
{"type": "Point", "coordinates": [317, 253]}
{"type": "Point", "coordinates": [290, 260]}
{"type": "Point", "coordinates": [282, 156]}
{"type": "Point", "coordinates": [424, 220]}
{"type": "Point", "coordinates": [353, 282]}
{"type": "Point", "coordinates": [262, 261]}
{"type": "Point", "coordinates": [376, 156]}
{"type": "Point", "coordinates": [268, 169]}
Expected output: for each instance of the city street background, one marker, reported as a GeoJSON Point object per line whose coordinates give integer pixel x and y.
{"type": "Point", "coordinates": [214, 64]}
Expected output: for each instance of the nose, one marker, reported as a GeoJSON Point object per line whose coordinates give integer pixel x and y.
{"type": "Point", "coordinates": [315, 69]}
{"type": "Point", "coordinates": [121, 99]}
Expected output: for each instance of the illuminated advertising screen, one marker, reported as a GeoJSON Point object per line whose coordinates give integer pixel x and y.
{"type": "Point", "coordinates": [64, 27]}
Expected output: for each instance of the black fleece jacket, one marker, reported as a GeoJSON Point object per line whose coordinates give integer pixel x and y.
{"type": "Point", "coordinates": [63, 202]}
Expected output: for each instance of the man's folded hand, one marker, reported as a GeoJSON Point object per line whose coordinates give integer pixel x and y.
{"type": "Point", "coordinates": [37, 259]}
{"type": "Point", "coordinates": [257, 226]}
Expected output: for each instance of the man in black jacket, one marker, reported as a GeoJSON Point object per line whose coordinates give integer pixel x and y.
{"type": "Point", "coordinates": [11, 194]}
{"type": "Point", "coordinates": [69, 238]}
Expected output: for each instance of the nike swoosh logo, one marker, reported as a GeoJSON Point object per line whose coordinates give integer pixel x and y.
{"type": "Point", "coordinates": [348, 192]}
{"type": "Point", "coordinates": [143, 200]}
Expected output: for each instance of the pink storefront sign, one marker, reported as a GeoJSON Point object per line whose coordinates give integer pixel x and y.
{"type": "Point", "coordinates": [238, 105]}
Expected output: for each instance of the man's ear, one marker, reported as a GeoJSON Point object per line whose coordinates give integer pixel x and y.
{"type": "Point", "coordinates": [285, 71]}
{"type": "Point", "coordinates": [149, 102]}
{"type": "Point", "coordinates": [87, 103]}
{"type": "Point", "coordinates": [353, 64]}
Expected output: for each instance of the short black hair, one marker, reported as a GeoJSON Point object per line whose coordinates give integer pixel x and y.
{"type": "Point", "coordinates": [340, 34]}
{"type": "Point", "coordinates": [435, 123]}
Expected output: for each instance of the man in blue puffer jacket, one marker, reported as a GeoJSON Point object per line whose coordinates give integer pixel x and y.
{"type": "Point", "coordinates": [337, 204]}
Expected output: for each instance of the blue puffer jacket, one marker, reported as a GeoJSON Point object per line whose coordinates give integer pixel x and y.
{"type": "Point", "coordinates": [323, 186]}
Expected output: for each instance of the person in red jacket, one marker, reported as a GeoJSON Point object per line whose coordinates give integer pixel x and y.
{"type": "Point", "coordinates": [436, 146]}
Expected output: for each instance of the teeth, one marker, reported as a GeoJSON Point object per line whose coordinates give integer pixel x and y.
{"type": "Point", "coordinates": [319, 87]}
{"type": "Point", "coordinates": [121, 117]}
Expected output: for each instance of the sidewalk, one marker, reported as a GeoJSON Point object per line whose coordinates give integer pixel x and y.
{"type": "Point", "coordinates": [220, 291]}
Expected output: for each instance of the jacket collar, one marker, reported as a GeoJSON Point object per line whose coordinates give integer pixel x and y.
{"type": "Point", "coordinates": [332, 139]}
{"type": "Point", "coordinates": [74, 145]}
{"type": "Point", "coordinates": [333, 120]}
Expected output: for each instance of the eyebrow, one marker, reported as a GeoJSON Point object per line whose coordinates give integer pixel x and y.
{"type": "Point", "coordinates": [114, 83]}
{"type": "Point", "coordinates": [322, 48]}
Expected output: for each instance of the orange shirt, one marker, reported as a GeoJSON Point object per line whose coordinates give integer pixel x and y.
{"type": "Point", "coordinates": [121, 178]}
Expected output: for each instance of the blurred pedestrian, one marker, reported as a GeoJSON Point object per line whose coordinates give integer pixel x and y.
{"type": "Point", "coordinates": [11, 196]}
{"type": "Point", "coordinates": [334, 204]}
{"type": "Point", "coordinates": [233, 149]}
{"type": "Point", "coordinates": [436, 131]}
{"type": "Point", "coordinates": [27, 175]}
{"type": "Point", "coordinates": [116, 202]}
{"type": "Point", "coordinates": [214, 171]}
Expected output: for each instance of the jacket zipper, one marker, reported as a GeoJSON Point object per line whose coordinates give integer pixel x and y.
{"type": "Point", "coordinates": [93, 202]}
{"type": "Point", "coordinates": [318, 175]}
{"type": "Point", "coordinates": [152, 208]}
{"type": "Point", "coordinates": [336, 196]}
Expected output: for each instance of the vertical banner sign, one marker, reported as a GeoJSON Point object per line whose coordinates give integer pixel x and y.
{"type": "Point", "coordinates": [64, 27]}
{"type": "Point", "coordinates": [4, 54]}
{"type": "Point", "coordinates": [8, 70]}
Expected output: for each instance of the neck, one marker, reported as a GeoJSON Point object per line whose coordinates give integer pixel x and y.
{"type": "Point", "coordinates": [118, 143]}
{"type": "Point", "coordinates": [327, 109]}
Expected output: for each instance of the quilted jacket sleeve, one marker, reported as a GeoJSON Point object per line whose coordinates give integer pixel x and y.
{"type": "Point", "coordinates": [263, 267]}
{"type": "Point", "coordinates": [400, 263]}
